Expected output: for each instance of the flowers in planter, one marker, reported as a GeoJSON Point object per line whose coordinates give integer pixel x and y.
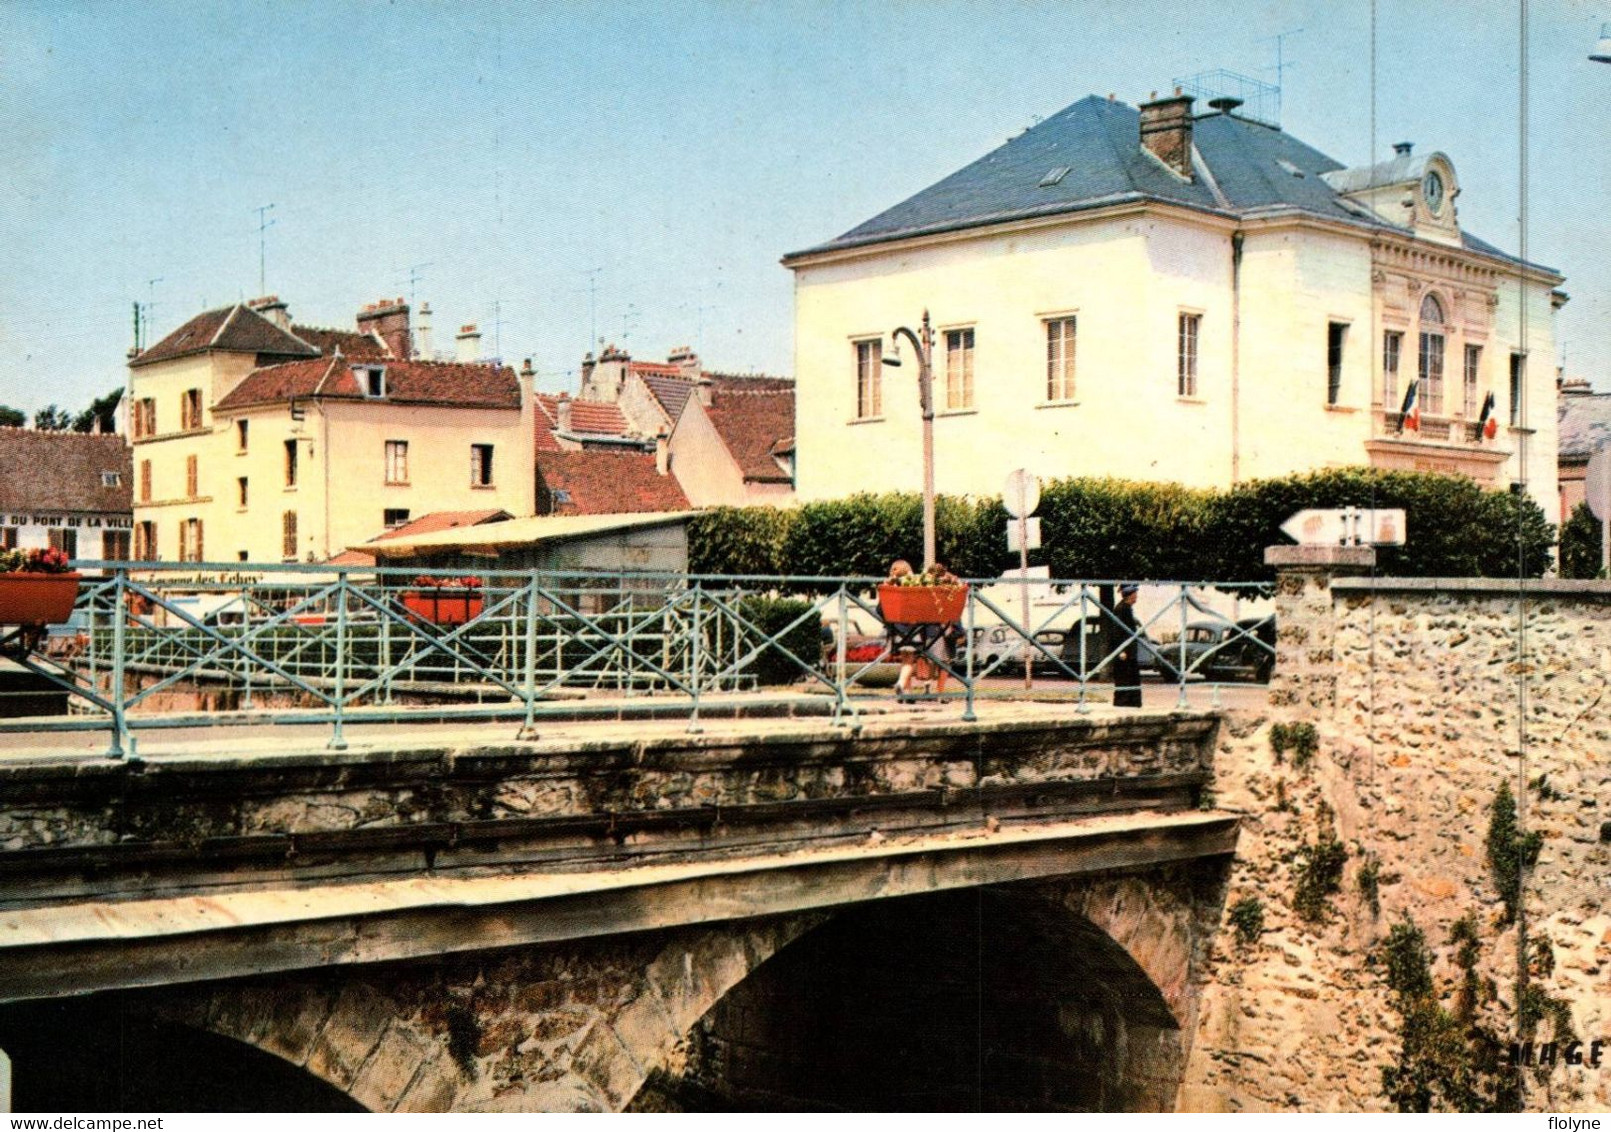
{"type": "Point", "coordinates": [426, 581]}
{"type": "Point", "coordinates": [38, 560]}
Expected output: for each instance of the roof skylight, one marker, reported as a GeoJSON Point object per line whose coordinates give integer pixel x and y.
{"type": "Point", "coordinates": [1054, 176]}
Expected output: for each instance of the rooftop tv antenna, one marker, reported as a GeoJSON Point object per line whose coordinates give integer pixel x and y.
{"type": "Point", "coordinates": [263, 225]}
{"type": "Point", "coordinates": [415, 274]}
{"type": "Point", "coordinates": [1281, 64]}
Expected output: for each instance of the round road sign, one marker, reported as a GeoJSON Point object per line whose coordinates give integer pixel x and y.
{"type": "Point", "coordinates": [1021, 493]}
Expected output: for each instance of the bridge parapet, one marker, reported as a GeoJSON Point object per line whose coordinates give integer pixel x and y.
{"type": "Point", "coordinates": [804, 814]}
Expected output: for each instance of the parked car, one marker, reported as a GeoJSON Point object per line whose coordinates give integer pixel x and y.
{"type": "Point", "coordinates": [865, 644]}
{"type": "Point", "coordinates": [1219, 650]}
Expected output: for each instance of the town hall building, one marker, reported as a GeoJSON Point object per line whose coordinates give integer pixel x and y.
{"type": "Point", "coordinates": [1154, 294]}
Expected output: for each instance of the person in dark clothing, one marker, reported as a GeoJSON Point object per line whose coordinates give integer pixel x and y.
{"type": "Point", "coordinates": [1127, 665]}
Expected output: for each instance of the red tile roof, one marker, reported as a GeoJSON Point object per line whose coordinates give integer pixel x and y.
{"type": "Point", "coordinates": [352, 344]}
{"type": "Point", "coordinates": [602, 482]}
{"type": "Point", "coordinates": [445, 520]}
{"type": "Point", "coordinates": [238, 328]}
{"type": "Point", "coordinates": [62, 471]}
{"type": "Point", "coordinates": [461, 385]}
{"type": "Point", "coordinates": [424, 525]}
{"type": "Point", "coordinates": [598, 417]}
{"type": "Point", "coordinates": [755, 419]}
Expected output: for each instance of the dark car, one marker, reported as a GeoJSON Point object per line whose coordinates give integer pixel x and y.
{"type": "Point", "coordinates": [1219, 650]}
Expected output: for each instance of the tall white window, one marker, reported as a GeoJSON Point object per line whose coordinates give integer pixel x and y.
{"type": "Point", "coordinates": [1430, 368]}
{"type": "Point", "coordinates": [1336, 336]}
{"type": "Point", "coordinates": [1473, 370]}
{"type": "Point", "coordinates": [397, 461]}
{"type": "Point", "coordinates": [1518, 369]}
{"type": "Point", "coordinates": [869, 378]}
{"type": "Point", "coordinates": [1060, 358]}
{"type": "Point", "coordinates": [1191, 326]}
{"type": "Point", "coordinates": [959, 369]}
{"type": "Point", "coordinates": [1392, 350]}
{"type": "Point", "coordinates": [480, 465]}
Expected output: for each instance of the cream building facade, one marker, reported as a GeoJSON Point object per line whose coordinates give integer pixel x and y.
{"type": "Point", "coordinates": [1155, 295]}
{"type": "Point", "coordinates": [255, 440]}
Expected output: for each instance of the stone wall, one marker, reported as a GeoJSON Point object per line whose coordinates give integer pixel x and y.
{"type": "Point", "coordinates": [1426, 695]}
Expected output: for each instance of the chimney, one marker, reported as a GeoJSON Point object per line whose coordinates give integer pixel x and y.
{"type": "Point", "coordinates": [1166, 131]}
{"type": "Point", "coordinates": [469, 344]}
{"type": "Point", "coordinates": [662, 452]}
{"type": "Point", "coordinates": [272, 308]}
{"type": "Point", "coordinates": [527, 372]}
{"type": "Point", "coordinates": [1576, 387]}
{"type": "Point", "coordinates": [702, 390]}
{"type": "Point", "coordinates": [388, 319]}
{"type": "Point", "coordinates": [562, 411]}
{"type": "Point", "coordinates": [684, 358]}
{"type": "Point", "coordinates": [1403, 148]}
{"type": "Point", "coordinates": [422, 334]}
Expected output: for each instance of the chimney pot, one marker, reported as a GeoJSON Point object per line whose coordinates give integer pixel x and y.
{"type": "Point", "coordinates": [562, 411]}
{"type": "Point", "coordinates": [1166, 132]}
{"type": "Point", "coordinates": [662, 452]}
{"type": "Point", "coordinates": [469, 343]}
{"type": "Point", "coordinates": [1403, 148]}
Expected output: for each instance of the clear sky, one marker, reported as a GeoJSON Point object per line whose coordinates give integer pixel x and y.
{"type": "Point", "coordinates": [651, 162]}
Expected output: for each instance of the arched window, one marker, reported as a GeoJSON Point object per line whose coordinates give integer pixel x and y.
{"type": "Point", "coordinates": [1431, 310]}
{"type": "Point", "coordinates": [1430, 369]}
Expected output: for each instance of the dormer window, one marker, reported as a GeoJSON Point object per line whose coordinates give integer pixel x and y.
{"type": "Point", "coordinates": [371, 379]}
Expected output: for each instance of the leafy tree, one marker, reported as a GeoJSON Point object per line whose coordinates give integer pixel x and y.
{"type": "Point", "coordinates": [12, 418]}
{"type": "Point", "coordinates": [102, 410]}
{"type": "Point", "coordinates": [53, 419]}
{"type": "Point", "coordinates": [1580, 544]}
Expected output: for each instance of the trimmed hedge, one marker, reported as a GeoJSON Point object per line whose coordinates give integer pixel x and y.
{"type": "Point", "coordinates": [1108, 528]}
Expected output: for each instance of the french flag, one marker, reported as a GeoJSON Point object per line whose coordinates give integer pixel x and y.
{"type": "Point", "coordinates": [1410, 414]}
{"type": "Point", "coordinates": [1487, 423]}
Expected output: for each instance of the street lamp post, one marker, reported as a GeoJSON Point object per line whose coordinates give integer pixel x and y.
{"type": "Point", "coordinates": [923, 343]}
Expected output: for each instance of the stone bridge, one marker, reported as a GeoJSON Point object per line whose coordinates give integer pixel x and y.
{"type": "Point", "coordinates": [1013, 913]}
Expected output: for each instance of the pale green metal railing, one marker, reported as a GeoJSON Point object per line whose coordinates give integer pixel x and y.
{"type": "Point", "coordinates": [319, 643]}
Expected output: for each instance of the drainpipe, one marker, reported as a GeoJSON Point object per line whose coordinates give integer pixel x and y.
{"type": "Point", "coordinates": [1236, 356]}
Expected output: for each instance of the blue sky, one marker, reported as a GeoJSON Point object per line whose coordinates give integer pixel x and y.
{"type": "Point", "coordinates": [667, 155]}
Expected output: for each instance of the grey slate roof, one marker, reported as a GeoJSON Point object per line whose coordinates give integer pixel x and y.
{"type": "Point", "coordinates": [1585, 423]}
{"type": "Point", "coordinates": [1256, 168]}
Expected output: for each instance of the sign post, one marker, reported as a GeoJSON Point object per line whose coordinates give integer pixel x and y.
{"type": "Point", "coordinates": [1021, 495]}
{"type": "Point", "coordinates": [1597, 490]}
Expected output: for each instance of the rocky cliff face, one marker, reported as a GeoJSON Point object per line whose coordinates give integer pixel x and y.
{"type": "Point", "coordinates": [1424, 699]}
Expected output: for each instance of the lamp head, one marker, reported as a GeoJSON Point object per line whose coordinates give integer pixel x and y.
{"type": "Point", "coordinates": [895, 358]}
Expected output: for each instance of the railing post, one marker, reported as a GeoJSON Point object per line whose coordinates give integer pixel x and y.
{"type": "Point", "coordinates": [530, 665]}
{"type": "Point", "coordinates": [841, 685]}
{"type": "Point", "coordinates": [120, 727]}
{"type": "Point", "coordinates": [968, 714]}
{"type": "Point", "coordinates": [338, 741]}
{"type": "Point", "coordinates": [1084, 706]}
{"type": "Point", "coordinates": [696, 649]}
{"type": "Point", "coordinates": [1180, 668]}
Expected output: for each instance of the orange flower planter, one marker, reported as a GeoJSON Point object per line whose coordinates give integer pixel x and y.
{"type": "Point", "coordinates": [922, 605]}
{"type": "Point", "coordinates": [37, 599]}
{"type": "Point", "coordinates": [448, 605]}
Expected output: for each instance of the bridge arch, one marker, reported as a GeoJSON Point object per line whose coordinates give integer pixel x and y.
{"type": "Point", "coordinates": [115, 1053]}
{"type": "Point", "coordinates": [1098, 970]}
{"type": "Point", "coordinates": [1021, 997]}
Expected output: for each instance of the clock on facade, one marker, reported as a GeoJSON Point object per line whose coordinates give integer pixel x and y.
{"type": "Point", "coordinates": [1432, 189]}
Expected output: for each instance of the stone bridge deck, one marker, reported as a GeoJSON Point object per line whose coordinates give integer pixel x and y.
{"type": "Point", "coordinates": [188, 864]}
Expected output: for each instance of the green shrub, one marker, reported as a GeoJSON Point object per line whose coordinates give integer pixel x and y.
{"type": "Point", "coordinates": [739, 540]}
{"type": "Point", "coordinates": [1319, 869]}
{"type": "Point", "coordinates": [1300, 738]}
{"type": "Point", "coordinates": [1247, 918]}
{"type": "Point", "coordinates": [1370, 882]}
{"type": "Point", "coordinates": [1580, 544]}
{"type": "Point", "coordinates": [1510, 852]}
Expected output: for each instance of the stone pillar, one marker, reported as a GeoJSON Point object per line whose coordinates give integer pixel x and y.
{"type": "Point", "coordinates": [1305, 664]}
